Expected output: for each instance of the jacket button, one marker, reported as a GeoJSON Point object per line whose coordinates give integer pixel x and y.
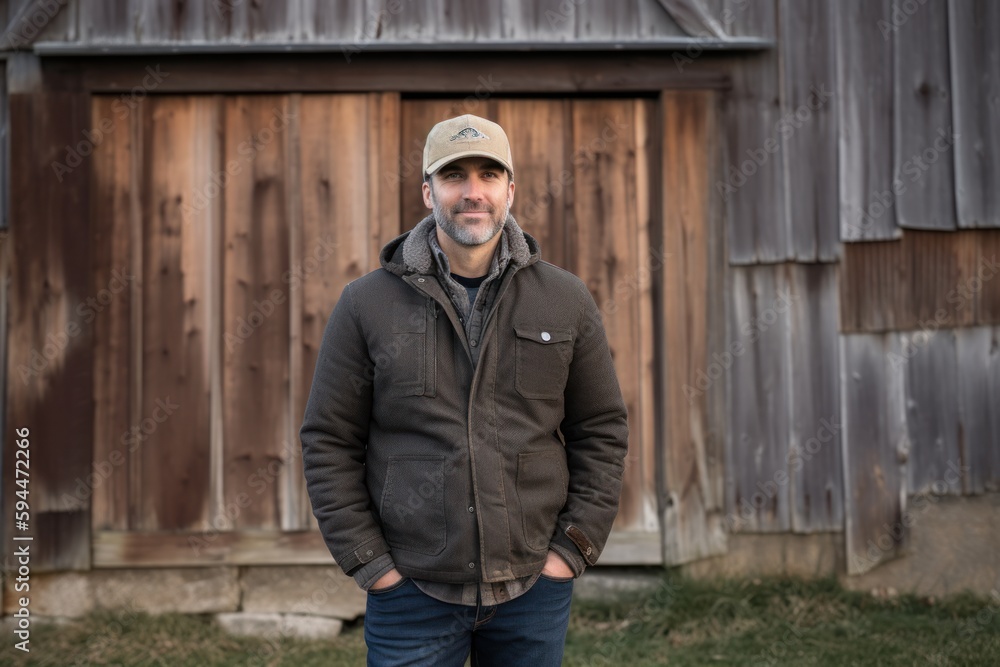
{"type": "Point", "coordinates": [369, 552]}
{"type": "Point", "coordinates": [472, 565]}
{"type": "Point", "coordinates": [471, 508]}
{"type": "Point", "coordinates": [546, 336]}
{"type": "Point", "coordinates": [589, 550]}
{"type": "Point", "coordinates": [473, 342]}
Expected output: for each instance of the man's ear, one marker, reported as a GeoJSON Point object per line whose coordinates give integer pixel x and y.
{"type": "Point", "coordinates": [425, 188]}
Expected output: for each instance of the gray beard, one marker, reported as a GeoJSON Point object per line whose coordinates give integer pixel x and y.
{"type": "Point", "coordinates": [463, 235]}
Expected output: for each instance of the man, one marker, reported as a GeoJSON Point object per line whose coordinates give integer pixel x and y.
{"type": "Point", "coordinates": [465, 435]}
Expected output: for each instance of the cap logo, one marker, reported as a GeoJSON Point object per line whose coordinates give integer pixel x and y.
{"type": "Point", "coordinates": [467, 134]}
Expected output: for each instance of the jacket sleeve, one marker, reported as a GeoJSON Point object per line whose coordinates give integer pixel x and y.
{"type": "Point", "coordinates": [595, 428]}
{"type": "Point", "coordinates": [334, 438]}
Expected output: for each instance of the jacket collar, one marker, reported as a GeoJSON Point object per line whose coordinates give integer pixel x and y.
{"type": "Point", "coordinates": [411, 251]}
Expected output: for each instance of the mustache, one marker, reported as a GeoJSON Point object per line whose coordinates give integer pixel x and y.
{"type": "Point", "coordinates": [472, 208]}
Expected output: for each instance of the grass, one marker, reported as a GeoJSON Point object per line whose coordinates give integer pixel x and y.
{"type": "Point", "coordinates": [682, 622]}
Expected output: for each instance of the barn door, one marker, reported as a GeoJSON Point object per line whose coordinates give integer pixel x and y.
{"type": "Point", "coordinates": [583, 190]}
{"type": "Point", "coordinates": [618, 191]}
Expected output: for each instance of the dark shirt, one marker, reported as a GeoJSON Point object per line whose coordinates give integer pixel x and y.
{"type": "Point", "coordinates": [471, 285]}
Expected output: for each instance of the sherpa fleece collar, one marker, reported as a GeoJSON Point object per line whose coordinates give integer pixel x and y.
{"type": "Point", "coordinates": [411, 253]}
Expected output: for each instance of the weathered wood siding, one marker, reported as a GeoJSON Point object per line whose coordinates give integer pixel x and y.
{"type": "Point", "coordinates": [221, 206]}
{"type": "Point", "coordinates": [875, 447]}
{"type": "Point", "coordinates": [356, 24]}
{"type": "Point", "coordinates": [50, 337]}
{"type": "Point", "coordinates": [920, 422]}
{"type": "Point", "coordinates": [975, 75]}
{"type": "Point", "coordinates": [977, 352]}
{"type": "Point", "coordinates": [693, 329]}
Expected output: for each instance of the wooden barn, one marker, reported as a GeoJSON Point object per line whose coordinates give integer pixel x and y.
{"type": "Point", "coordinates": [787, 210]}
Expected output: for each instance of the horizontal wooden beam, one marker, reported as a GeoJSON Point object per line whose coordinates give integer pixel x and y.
{"type": "Point", "coordinates": [474, 73]}
{"type": "Point", "coordinates": [266, 547]}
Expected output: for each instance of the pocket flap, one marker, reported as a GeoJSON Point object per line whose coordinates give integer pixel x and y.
{"type": "Point", "coordinates": [543, 335]}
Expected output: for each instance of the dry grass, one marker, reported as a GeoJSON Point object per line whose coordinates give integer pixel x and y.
{"type": "Point", "coordinates": [769, 622]}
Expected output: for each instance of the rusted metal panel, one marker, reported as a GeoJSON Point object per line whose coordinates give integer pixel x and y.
{"type": "Point", "coordinates": [923, 163]}
{"type": "Point", "coordinates": [926, 280]}
{"type": "Point", "coordinates": [975, 82]}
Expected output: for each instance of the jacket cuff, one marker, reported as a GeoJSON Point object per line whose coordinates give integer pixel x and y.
{"type": "Point", "coordinates": [573, 544]}
{"type": "Point", "coordinates": [364, 553]}
{"type": "Point", "coordinates": [372, 571]}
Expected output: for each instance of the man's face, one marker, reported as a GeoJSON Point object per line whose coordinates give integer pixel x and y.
{"type": "Point", "coordinates": [471, 198]}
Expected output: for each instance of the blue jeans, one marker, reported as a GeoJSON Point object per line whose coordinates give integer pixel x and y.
{"type": "Point", "coordinates": [405, 626]}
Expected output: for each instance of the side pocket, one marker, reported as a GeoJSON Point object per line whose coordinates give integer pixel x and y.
{"type": "Point", "coordinates": [542, 485]}
{"type": "Point", "coordinates": [412, 506]}
{"type": "Point", "coordinates": [541, 361]}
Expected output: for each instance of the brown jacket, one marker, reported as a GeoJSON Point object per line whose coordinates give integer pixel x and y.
{"type": "Point", "coordinates": [465, 472]}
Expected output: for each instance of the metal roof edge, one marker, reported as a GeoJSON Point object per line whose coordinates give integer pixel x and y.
{"type": "Point", "coordinates": [187, 48]}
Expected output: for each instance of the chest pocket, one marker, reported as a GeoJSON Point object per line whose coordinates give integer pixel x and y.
{"type": "Point", "coordinates": [541, 361]}
{"type": "Point", "coordinates": [411, 360]}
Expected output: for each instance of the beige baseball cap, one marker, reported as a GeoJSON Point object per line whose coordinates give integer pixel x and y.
{"type": "Point", "coordinates": [466, 136]}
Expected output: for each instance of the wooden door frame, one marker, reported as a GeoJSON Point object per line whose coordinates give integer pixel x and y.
{"type": "Point", "coordinates": [61, 88]}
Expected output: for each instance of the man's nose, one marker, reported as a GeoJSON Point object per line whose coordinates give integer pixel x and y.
{"type": "Point", "coordinates": [473, 188]}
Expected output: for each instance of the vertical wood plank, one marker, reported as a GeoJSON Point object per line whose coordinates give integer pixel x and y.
{"type": "Point", "coordinates": [754, 183]}
{"type": "Point", "coordinates": [255, 307]}
{"type": "Point", "coordinates": [975, 82]}
{"type": "Point", "coordinates": [336, 163]}
{"type": "Point", "coordinates": [692, 516]}
{"type": "Point", "coordinates": [923, 159]}
{"type": "Point", "coordinates": [605, 256]}
{"type": "Point", "coordinates": [865, 111]}
{"type": "Point", "coordinates": [49, 343]}
{"type": "Point", "coordinates": [929, 361]}
{"type": "Point", "coordinates": [875, 442]}
{"type": "Point", "coordinates": [809, 132]}
{"type": "Point", "coordinates": [541, 145]}
{"type": "Point", "coordinates": [978, 373]}
{"type": "Point", "coordinates": [815, 467]}
{"type": "Point", "coordinates": [112, 271]}
{"type": "Point", "coordinates": [759, 330]}
{"type": "Point", "coordinates": [174, 410]}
